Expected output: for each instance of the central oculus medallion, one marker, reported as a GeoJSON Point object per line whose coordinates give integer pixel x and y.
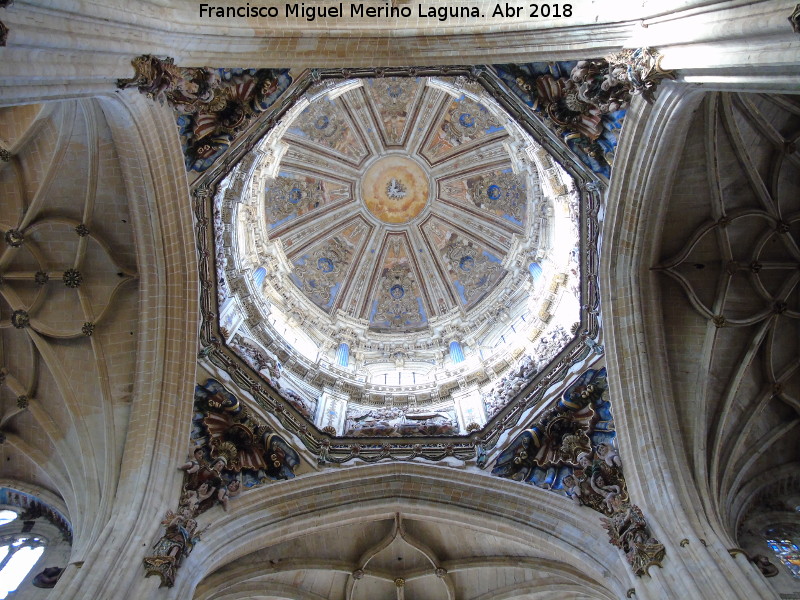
{"type": "Point", "coordinates": [395, 189]}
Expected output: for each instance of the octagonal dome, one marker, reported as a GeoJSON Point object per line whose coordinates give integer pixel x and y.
{"type": "Point", "coordinates": [403, 257]}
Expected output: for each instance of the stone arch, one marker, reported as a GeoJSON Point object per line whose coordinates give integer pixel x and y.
{"type": "Point", "coordinates": [571, 539]}
{"type": "Point", "coordinates": [663, 435]}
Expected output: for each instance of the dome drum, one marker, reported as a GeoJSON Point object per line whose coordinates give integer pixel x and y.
{"type": "Point", "coordinates": [395, 216]}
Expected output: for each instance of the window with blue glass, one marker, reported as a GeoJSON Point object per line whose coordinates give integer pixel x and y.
{"type": "Point", "coordinates": [784, 542]}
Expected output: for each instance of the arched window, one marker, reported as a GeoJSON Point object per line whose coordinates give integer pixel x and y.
{"type": "Point", "coordinates": [259, 275]}
{"type": "Point", "coordinates": [785, 541]}
{"type": "Point", "coordinates": [6, 516]}
{"type": "Point", "coordinates": [18, 554]}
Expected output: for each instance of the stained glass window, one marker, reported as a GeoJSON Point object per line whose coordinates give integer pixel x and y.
{"type": "Point", "coordinates": [784, 542]}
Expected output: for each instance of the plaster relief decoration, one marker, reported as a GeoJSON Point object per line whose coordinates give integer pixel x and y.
{"type": "Point", "coordinates": [473, 270]}
{"type": "Point", "coordinates": [585, 102]}
{"type": "Point", "coordinates": [516, 380]}
{"type": "Point", "coordinates": [393, 99]}
{"type": "Point", "coordinates": [213, 106]}
{"type": "Point", "coordinates": [398, 421]}
{"type": "Point", "coordinates": [328, 127]}
{"type": "Point", "coordinates": [232, 449]}
{"type": "Point", "coordinates": [464, 121]}
{"type": "Point", "coordinates": [268, 366]}
{"type": "Point", "coordinates": [571, 448]}
{"type": "Point", "coordinates": [398, 304]}
{"type": "Point", "coordinates": [453, 251]}
{"type": "Point", "coordinates": [288, 197]}
{"type": "Point", "coordinates": [320, 272]}
{"type": "Point", "coordinates": [502, 194]}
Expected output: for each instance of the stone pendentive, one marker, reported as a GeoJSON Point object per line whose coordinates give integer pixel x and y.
{"type": "Point", "coordinates": [233, 449]}
{"type": "Point", "coordinates": [213, 106]}
{"type": "Point", "coordinates": [585, 102]}
{"type": "Point", "coordinates": [571, 448]}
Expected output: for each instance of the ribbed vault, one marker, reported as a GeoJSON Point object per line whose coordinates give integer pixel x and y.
{"type": "Point", "coordinates": [702, 267]}
{"type": "Point", "coordinates": [94, 307]}
{"type": "Point", "coordinates": [443, 539]}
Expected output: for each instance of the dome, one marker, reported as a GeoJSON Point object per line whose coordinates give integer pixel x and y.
{"type": "Point", "coordinates": [398, 256]}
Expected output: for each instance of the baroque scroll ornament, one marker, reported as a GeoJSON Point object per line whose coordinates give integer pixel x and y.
{"type": "Point", "coordinates": [505, 192]}
{"type": "Point", "coordinates": [471, 267]}
{"type": "Point", "coordinates": [214, 105]}
{"type": "Point", "coordinates": [587, 105]}
{"type": "Point", "coordinates": [320, 270]}
{"type": "Point", "coordinates": [285, 196]}
{"type": "Point", "coordinates": [397, 304]}
{"type": "Point", "coordinates": [570, 448]}
{"type": "Point", "coordinates": [234, 450]}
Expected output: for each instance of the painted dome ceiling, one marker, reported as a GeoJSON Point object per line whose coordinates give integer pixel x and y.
{"type": "Point", "coordinates": [394, 244]}
{"type": "Point", "coordinates": [396, 203]}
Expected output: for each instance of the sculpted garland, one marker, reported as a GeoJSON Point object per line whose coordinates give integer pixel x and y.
{"type": "Point", "coordinates": [585, 102]}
